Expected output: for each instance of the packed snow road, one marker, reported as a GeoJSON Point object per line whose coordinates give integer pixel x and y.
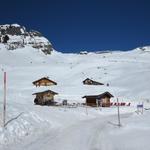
{"type": "Point", "coordinates": [84, 135]}
{"type": "Point", "coordinates": [95, 131]}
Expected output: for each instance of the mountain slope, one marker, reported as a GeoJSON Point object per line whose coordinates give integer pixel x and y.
{"type": "Point", "coordinates": [127, 73]}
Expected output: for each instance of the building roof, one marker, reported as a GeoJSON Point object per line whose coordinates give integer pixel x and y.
{"type": "Point", "coordinates": [99, 96]}
{"type": "Point", "coordinates": [44, 78]}
{"type": "Point", "coordinates": [92, 81]}
{"type": "Point", "coordinates": [44, 92]}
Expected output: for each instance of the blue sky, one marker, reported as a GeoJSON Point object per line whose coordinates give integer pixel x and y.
{"type": "Point", "coordinates": [74, 25]}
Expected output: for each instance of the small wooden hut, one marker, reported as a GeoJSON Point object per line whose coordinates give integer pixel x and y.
{"type": "Point", "coordinates": [45, 97]}
{"type": "Point", "coordinates": [100, 100]}
{"type": "Point", "coordinates": [45, 81]}
{"type": "Point", "coordinates": [91, 82]}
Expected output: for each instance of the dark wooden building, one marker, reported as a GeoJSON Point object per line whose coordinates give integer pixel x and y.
{"type": "Point", "coordinates": [45, 81]}
{"type": "Point", "coordinates": [91, 82]}
{"type": "Point", "coordinates": [45, 97]}
{"type": "Point", "coordinates": [100, 100]}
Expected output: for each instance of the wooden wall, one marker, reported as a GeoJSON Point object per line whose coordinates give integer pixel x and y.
{"type": "Point", "coordinates": [43, 98]}
{"type": "Point", "coordinates": [44, 82]}
{"type": "Point", "coordinates": [92, 102]}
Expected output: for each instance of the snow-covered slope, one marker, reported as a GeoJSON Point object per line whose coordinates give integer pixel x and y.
{"type": "Point", "coordinates": [128, 75]}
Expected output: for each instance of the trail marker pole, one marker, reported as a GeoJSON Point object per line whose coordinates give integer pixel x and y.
{"type": "Point", "coordinates": [4, 103]}
{"type": "Point", "coordinates": [119, 123]}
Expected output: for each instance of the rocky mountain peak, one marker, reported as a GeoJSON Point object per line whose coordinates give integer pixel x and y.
{"type": "Point", "coordinates": [15, 36]}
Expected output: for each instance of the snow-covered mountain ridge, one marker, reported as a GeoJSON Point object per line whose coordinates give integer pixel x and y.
{"type": "Point", "coordinates": [15, 36]}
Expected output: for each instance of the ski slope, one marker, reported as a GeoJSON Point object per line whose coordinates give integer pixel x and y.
{"type": "Point", "coordinates": [35, 127]}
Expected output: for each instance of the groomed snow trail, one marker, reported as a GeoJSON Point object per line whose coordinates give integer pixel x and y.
{"type": "Point", "coordinates": [84, 135]}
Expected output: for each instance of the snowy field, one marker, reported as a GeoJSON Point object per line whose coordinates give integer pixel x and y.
{"type": "Point", "coordinates": [32, 127]}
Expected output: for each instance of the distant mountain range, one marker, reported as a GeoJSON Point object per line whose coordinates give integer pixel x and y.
{"type": "Point", "coordinates": [15, 36]}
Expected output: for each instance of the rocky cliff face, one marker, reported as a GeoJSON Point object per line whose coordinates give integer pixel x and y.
{"type": "Point", "coordinates": [15, 36]}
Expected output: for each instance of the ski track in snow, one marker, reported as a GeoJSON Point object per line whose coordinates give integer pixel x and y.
{"type": "Point", "coordinates": [83, 135]}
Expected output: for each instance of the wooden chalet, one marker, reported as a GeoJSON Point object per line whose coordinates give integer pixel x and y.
{"type": "Point", "coordinates": [91, 82]}
{"type": "Point", "coordinates": [98, 100]}
{"type": "Point", "coordinates": [45, 98]}
{"type": "Point", "coordinates": [45, 81]}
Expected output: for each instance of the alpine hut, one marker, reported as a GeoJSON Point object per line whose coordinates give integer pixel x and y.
{"type": "Point", "coordinates": [45, 97]}
{"type": "Point", "coordinates": [45, 81]}
{"type": "Point", "coordinates": [91, 82]}
{"type": "Point", "coordinates": [98, 100]}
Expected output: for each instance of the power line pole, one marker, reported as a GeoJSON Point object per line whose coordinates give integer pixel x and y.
{"type": "Point", "coordinates": [4, 103]}
{"type": "Point", "coordinates": [119, 123]}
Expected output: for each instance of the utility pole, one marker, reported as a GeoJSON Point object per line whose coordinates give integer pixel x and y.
{"type": "Point", "coordinates": [119, 123]}
{"type": "Point", "coordinates": [4, 103]}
